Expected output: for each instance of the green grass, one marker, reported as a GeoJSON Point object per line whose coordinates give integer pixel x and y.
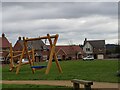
{"type": "Point", "coordinates": [97, 70]}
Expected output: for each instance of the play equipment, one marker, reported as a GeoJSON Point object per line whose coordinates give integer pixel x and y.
{"type": "Point", "coordinates": [38, 67]}
{"type": "Point", "coordinates": [14, 54]}
{"type": "Point", "coordinates": [18, 54]}
{"type": "Point", "coordinates": [31, 60]}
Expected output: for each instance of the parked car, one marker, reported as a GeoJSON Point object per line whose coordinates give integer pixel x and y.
{"type": "Point", "coordinates": [2, 60]}
{"type": "Point", "coordinates": [118, 73]}
{"type": "Point", "coordinates": [88, 58]}
{"type": "Point", "coordinates": [24, 60]}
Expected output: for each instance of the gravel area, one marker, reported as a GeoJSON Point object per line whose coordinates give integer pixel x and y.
{"type": "Point", "coordinates": [61, 83]}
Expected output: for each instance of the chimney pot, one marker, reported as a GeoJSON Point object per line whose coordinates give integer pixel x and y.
{"type": "Point", "coordinates": [19, 38]}
{"type": "Point", "coordinates": [3, 35]}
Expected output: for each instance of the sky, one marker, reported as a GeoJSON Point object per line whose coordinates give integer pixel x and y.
{"type": "Point", "coordinates": [73, 21]}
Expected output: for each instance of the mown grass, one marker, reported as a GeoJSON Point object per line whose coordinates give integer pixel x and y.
{"type": "Point", "coordinates": [97, 70]}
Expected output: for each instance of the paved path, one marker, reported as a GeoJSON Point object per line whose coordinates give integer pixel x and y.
{"type": "Point", "coordinates": [61, 83]}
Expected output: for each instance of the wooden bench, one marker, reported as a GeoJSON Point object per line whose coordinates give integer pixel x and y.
{"type": "Point", "coordinates": [87, 84]}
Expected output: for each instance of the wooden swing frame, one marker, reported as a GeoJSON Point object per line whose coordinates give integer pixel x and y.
{"type": "Point", "coordinates": [12, 56]}
{"type": "Point", "coordinates": [31, 62]}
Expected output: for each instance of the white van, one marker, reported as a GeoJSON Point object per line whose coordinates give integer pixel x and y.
{"type": "Point", "coordinates": [2, 59]}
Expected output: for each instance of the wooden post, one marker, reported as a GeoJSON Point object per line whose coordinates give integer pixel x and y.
{"type": "Point", "coordinates": [33, 56]}
{"type": "Point", "coordinates": [76, 86]}
{"type": "Point", "coordinates": [27, 53]}
{"type": "Point", "coordinates": [55, 57]}
{"type": "Point", "coordinates": [87, 87]}
{"type": "Point", "coordinates": [52, 55]}
{"type": "Point", "coordinates": [57, 63]}
{"type": "Point", "coordinates": [50, 60]}
{"type": "Point", "coordinates": [20, 61]}
{"type": "Point", "coordinates": [11, 58]}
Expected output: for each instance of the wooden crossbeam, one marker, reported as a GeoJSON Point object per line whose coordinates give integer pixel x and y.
{"type": "Point", "coordinates": [22, 64]}
{"type": "Point", "coordinates": [39, 38]}
{"type": "Point", "coordinates": [10, 51]}
{"type": "Point", "coordinates": [17, 51]}
{"type": "Point", "coordinates": [20, 54]}
{"type": "Point", "coordinates": [5, 51]}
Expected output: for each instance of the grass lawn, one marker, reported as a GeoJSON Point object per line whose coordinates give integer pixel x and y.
{"type": "Point", "coordinates": [97, 70]}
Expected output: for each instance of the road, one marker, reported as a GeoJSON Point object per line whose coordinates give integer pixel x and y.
{"type": "Point", "coordinates": [61, 83]}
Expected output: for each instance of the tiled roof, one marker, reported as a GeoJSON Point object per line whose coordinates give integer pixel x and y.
{"type": "Point", "coordinates": [37, 45]}
{"type": "Point", "coordinates": [97, 43]}
{"type": "Point", "coordinates": [4, 43]}
{"type": "Point", "coordinates": [69, 49]}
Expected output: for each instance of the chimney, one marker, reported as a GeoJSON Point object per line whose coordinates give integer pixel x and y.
{"type": "Point", "coordinates": [85, 41]}
{"type": "Point", "coordinates": [3, 35]}
{"type": "Point", "coordinates": [19, 38]}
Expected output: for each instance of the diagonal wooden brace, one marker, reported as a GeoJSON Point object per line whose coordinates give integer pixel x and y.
{"type": "Point", "coordinates": [53, 55]}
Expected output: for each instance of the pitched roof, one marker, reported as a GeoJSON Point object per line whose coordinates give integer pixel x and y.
{"type": "Point", "coordinates": [37, 45]}
{"type": "Point", "coordinates": [69, 49]}
{"type": "Point", "coordinates": [97, 43]}
{"type": "Point", "coordinates": [4, 43]}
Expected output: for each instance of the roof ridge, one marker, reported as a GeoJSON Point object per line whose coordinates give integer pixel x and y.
{"type": "Point", "coordinates": [95, 40]}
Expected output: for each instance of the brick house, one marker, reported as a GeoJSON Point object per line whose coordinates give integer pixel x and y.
{"type": "Point", "coordinates": [42, 51]}
{"type": "Point", "coordinates": [40, 48]}
{"type": "Point", "coordinates": [4, 46]}
{"type": "Point", "coordinates": [95, 48]}
{"type": "Point", "coordinates": [69, 52]}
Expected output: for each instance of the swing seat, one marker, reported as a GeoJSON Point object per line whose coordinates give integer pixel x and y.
{"type": "Point", "coordinates": [38, 67]}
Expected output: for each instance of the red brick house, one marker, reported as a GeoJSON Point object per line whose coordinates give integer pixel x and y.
{"type": "Point", "coordinates": [4, 45]}
{"type": "Point", "coordinates": [42, 51]}
{"type": "Point", "coordinates": [68, 52]}
{"type": "Point", "coordinates": [39, 47]}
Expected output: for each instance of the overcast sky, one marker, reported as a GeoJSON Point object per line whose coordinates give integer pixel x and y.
{"type": "Point", "coordinates": [73, 21]}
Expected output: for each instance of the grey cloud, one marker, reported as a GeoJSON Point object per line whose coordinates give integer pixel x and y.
{"type": "Point", "coordinates": [72, 21]}
{"type": "Point", "coordinates": [38, 10]}
{"type": "Point", "coordinates": [0, 17]}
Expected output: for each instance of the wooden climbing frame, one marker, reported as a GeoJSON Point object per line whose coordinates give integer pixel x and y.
{"type": "Point", "coordinates": [12, 56]}
{"type": "Point", "coordinates": [51, 57]}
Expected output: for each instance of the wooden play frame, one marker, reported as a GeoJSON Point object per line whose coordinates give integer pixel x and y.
{"type": "Point", "coordinates": [31, 62]}
{"type": "Point", "coordinates": [12, 66]}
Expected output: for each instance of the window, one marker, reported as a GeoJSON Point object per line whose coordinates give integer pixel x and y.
{"type": "Point", "coordinates": [2, 59]}
{"type": "Point", "coordinates": [87, 49]}
{"type": "Point", "coordinates": [44, 57]}
{"type": "Point", "coordinates": [0, 49]}
{"type": "Point", "coordinates": [59, 56]}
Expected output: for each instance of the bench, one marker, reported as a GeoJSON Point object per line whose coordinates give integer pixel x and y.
{"type": "Point", "coordinates": [87, 84]}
